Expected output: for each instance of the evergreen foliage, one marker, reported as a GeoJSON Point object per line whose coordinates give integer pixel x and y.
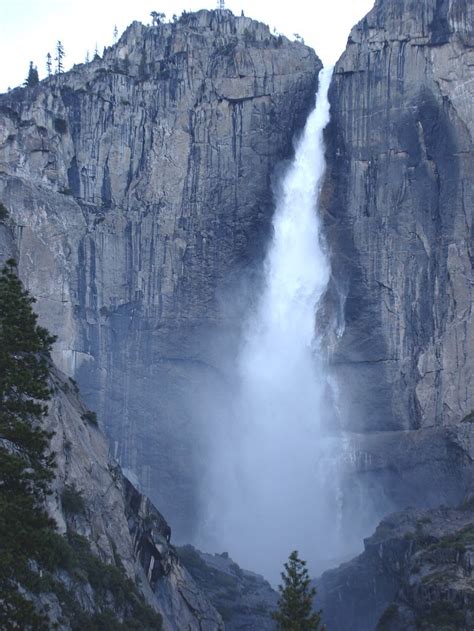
{"type": "Point", "coordinates": [157, 18]}
{"type": "Point", "coordinates": [72, 501]}
{"type": "Point", "coordinates": [3, 213]}
{"type": "Point", "coordinates": [49, 65]}
{"type": "Point", "coordinates": [26, 466]}
{"type": "Point", "coordinates": [60, 54]}
{"type": "Point", "coordinates": [90, 417]}
{"type": "Point", "coordinates": [295, 605]}
{"type": "Point", "coordinates": [33, 78]}
{"type": "Point", "coordinates": [32, 553]}
{"type": "Point", "coordinates": [112, 589]}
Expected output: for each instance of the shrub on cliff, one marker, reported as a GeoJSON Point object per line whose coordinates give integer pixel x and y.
{"type": "Point", "coordinates": [3, 213]}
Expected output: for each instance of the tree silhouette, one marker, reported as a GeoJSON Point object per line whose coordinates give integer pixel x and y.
{"type": "Point", "coordinates": [26, 466]}
{"type": "Point", "coordinates": [60, 54]}
{"type": "Point", "coordinates": [49, 64]}
{"type": "Point", "coordinates": [157, 18]}
{"type": "Point", "coordinates": [295, 605]}
{"type": "Point", "coordinates": [32, 78]}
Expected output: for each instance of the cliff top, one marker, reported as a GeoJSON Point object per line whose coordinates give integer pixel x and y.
{"type": "Point", "coordinates": [154, 51]}
{"type": "Point", "coordinates": [432, 21]}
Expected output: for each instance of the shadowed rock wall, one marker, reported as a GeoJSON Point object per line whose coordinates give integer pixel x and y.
{"type": "Point", "coordinates": [399, 214]}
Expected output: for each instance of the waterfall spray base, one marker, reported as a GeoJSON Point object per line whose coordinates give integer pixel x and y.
{"type": "Point", "coordinates": [272, 484]}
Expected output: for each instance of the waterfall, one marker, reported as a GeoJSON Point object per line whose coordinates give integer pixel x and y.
{"type": "Point", "coordinates": [274, 486]}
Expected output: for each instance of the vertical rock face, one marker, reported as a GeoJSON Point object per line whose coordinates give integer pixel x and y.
{"type": "Point", "coordinates": [90, 498]}
{"type": "Point", "coordinates": [416, 572]}
{"type": "Point", "coordinates": [138, 192]}
{"type": "Point", "coordinates": [399, 197]}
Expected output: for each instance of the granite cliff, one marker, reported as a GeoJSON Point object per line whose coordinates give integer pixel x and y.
{"type": "Point", "coordinates": [416, 572]}
{"type": "Point", "coordinates": [399, 204]}
{"type": "Point", "coordinates": [138, 195]}
{"type": "Point", "coordinates": [139, 192]}
{"type": "Point", "coordinates": [398, 215]}
{"type": "Point", "coordinates": [115, 531]}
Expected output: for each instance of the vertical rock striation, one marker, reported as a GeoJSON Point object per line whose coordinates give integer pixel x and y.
{"type": "Point", "coordinates": [138, 189]}
{"type": "Point", "coordinates": [399, 205]}
{"type": "Point", "coordinates": [416, 572]}
{"type": "Point", "coordinates": [91, 499]}
{"type": "Point", "coordinates": [399, 214]}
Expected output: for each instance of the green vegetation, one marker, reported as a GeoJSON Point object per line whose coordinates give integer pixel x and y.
{"type": "Point", "coordinates": [60, 125]}
{"type": "Point", "coordinates": [295, 605]}
{"type": "Point", "coordinates": [442, 615]}
{"type": "Point", "coordinates": [387, 617]}
{"type": "Point", "coordinates": [72, 501]}
{"type": "Point", "coordinates": [109, 582]}
{"type": "Point", "coordinates": [49, 64]}
{"type": "Point", "coordinates": [59, 59]}
{"type": "Point", "coordinates": [32, 553]}
{"type": "Point", "coordinates": [90, 417]}
{"type": "Point", "coordinates": [26, 467]}
{"type": "Point", "coordinates": [457, 541]}
{"type": "Point", "coordinates": [3, 213]}
{"type": "Point", "coordinates": [441, 578]}
{"type": "Point", "coordinates": [32, 78]}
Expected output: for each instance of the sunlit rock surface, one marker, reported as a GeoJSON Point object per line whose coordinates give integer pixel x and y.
{"type": "Point", "coordinates": [139, 192]}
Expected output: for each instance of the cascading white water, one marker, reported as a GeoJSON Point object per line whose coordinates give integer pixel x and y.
{"type": "Point", "coordinates": [267, 482]}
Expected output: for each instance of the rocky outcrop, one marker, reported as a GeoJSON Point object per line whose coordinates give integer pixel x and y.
{"type": "Point", "coordinates": [399, 201]}
{"type": "Point", "coordinates": [181, 601]}
{"type": "Point", "coordinates": [139, 191]}
{"type": "Point", "coordinates": [94, 505]}
{"type": "Point", "coordinates": [244, 599]}
{"type": "Point", "coordinates": [416, 573]}
{"type": "Point", "coordinates": [386, 471]}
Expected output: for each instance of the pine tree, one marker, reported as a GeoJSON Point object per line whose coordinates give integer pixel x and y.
{"type": "Point", "coordinates": [295, 605]}
{"type": "Point", "coordinates": [33, 78]}
{"type": "Point", "coordinates": [49, 65]}
{"type": "Point", "coordinates": [157, 18]}
{"type": "Point", "coordinates": [60, 54]}
{"type": "Point", "coordinates": [26, 466]}
{"type": "Point", "coordinates": [115, 33]}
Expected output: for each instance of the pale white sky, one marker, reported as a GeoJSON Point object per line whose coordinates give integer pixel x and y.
{"type": "Point", "coordinates": [30, 28]}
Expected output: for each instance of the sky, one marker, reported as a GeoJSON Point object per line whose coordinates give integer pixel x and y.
{"type": "Point", "coordinates": [30, 28]}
